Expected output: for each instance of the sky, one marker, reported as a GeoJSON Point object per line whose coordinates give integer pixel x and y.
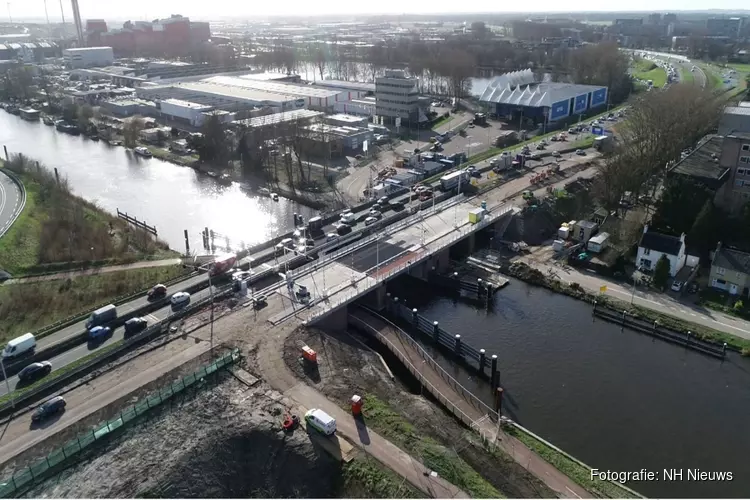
{"type": "Point", "coordinates": [216, 9]}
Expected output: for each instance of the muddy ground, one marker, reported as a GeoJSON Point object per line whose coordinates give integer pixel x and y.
{"type": "Point", "coordinates": [223, 441]}
{"type": "Point", "coordinates": [348, 364]}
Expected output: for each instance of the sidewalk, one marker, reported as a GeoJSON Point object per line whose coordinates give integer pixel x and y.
{"type": "Point", "coordinates": [661, 303]}
{"type": "Point", "coordinates": [96, 270]}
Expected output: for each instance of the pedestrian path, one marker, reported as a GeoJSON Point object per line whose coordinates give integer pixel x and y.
{"type": "Point", "coordinates": [462, 403]}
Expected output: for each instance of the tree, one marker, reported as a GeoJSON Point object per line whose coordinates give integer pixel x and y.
{"type": "Point", "coordinates": [661, 272]}
{"type": "Point", "coordinates": [681, 201]}
{"type": "Point", "coordinates": [706, 229]}
{"type": "Point", "coordinates": [478, 29]}
{"type": "Point", "coordinates": [131, 130]}
{"type": "Point", "coordinates": [85, 113]}
{"type": "Point", "coordinates": [70, 112]}
{"type": "Point", "coordinates": [213, 146]}
{"type": "Point", "coordinates": [320, 62]}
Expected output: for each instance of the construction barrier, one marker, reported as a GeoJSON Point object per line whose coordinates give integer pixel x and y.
{"type": "Point", "coordinates": [63, 457]}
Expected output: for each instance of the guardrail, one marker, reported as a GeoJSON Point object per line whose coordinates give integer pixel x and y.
{"type": "Point", "coordinates": [50, 329]}
{"type": "Point", "coordinates": [22, 188]}
{"type": "Point", "coordinates": [62, 457]}
{"type": "Point", "coordinates": [53, 382]}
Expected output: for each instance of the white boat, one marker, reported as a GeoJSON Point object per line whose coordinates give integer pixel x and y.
{"type": "Point", "coordinates": [264, 191]}
{"type": "Point", "coordinates": [141, 151]}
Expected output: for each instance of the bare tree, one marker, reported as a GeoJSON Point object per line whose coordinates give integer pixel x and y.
{"type": "Point", "coordinates": [130, 131]}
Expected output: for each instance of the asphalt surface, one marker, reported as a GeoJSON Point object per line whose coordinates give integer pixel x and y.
{"type": "Point", "coordinates": [10, 201]}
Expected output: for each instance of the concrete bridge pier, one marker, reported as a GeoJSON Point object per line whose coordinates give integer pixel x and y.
{"type": "Point", "coordinates": [376, 299]}
{"type": "Point", "coordinates": [336, 321]}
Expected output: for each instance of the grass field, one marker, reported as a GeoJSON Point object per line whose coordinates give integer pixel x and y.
{"type": "Point", "coordinates": [26, 307]}
{"type": "Point", "coordinates": [365, 477]}
{"type": "Point", "coordinates": [435, 456]}
{"type": "Point", "coordinates": [442, 121]}
{"type": "Point", "coordinates": [57, 230]}
{"type": "Point", "coordinates": [686, 76]}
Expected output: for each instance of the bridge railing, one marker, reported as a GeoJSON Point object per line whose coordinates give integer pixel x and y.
{"type": "Point", "coordinates": [418, 374]}
{"type": "Point", "coordinates": [349, 292]}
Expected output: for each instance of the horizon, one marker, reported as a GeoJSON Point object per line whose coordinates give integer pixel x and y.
{"type": "Point", "coordinates": [25, 11]}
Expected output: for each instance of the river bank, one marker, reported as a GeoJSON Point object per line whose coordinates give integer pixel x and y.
{"type": "Point", "coordinates": [528, 274]}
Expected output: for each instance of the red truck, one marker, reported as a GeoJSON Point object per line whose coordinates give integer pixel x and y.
{"type": "Point", "coordinates": [222, 264]}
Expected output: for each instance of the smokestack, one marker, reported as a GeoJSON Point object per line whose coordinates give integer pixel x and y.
{"type": "Point", "coordinates": [79, 25]}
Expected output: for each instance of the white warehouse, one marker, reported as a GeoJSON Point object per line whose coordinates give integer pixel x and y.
{"type": "Point", "coordinates": [191, 113]}
{"type": "Point", "coordinates": [88, 57]}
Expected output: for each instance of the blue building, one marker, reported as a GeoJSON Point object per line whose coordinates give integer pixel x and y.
{"type": "Point", "coordinates": [518, 94]}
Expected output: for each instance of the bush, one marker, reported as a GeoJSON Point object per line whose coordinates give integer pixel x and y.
{"type": "Point", "coordinates": [738, 306]}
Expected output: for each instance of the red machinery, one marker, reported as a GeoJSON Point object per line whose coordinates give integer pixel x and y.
{"type": "Point", "coordinates": [222, 264]}
{"type": "Point", "coordinates": [357, 403]}
{"type": "Point", "coordinates": [309, 354]}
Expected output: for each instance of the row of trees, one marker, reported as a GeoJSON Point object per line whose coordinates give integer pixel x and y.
{"type": "Point", "coordinates": [445, 68]}
{"type": "Point", "coordinates": [659, 127]}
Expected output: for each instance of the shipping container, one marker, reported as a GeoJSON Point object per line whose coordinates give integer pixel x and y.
{"type": "Point", "coordinates": [450, 181]}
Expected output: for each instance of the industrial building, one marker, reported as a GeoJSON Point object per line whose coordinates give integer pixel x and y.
{"type": "Point", "coordinates": [303, 116]}
{"type": "Point", "coordinates": [364, 106]}
{"type": "Point", "coordinates": [88, 57]}
{"type": "Point", "coordinates": [174, 36]}
{"type": "Point", "coordinates": [191, 113]}
{"type": "Point", "coordinates": [397, 96]}
{"type": "Point", "coordinates": [224, 97]}
{"type": "Point", "coordinates": [344, 120]}
{"type": "Point", "coordinates": [518, 94]}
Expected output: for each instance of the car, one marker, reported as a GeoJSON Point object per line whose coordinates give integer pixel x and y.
{"type": "Point", "coordinates": [397, 205]}
{"type": "Point", "coordinates": [135, 325]}
{"type": "Point", "coordinates": [343, 229]}
{"type": "Point", "coordinates": [370, 220]}
{"type": "Point", "coordinates": [180, 299]}
{"type": "Point", "coordinates": [556, 154]}
{"type": "Point", "coordinates": [540, 147]}
{"type": "Point", "coordinates": [676, 286]}
{"type": "Point", "coordinates": [99, 333]}
{"type": "Point", "coordinates": [580, 152]}
{"type": "Point", "coordinates": [421, 189]}
{"type": "Point", "coordinates": [48, 408]}
{"type": "Point", "coordinates": [285, 243]}
{"type": "Point", "coordinates": [35, 371]}
{"type": "Point", "coordinates": [376, 213]}
{"type": "Point", "coordinates": [383, 201]}
{"type": "Point", "coordinates": [157, 292]}
{"type": "Point", "coordinates": [331, 237]}
{"type": "Point", "coordinates": [306, 242]}
{"type": "Point", "coordinates": [693, 287]}
{"type": "Point", "coordinates": [572, 130]}
{"type": "Point", "coordinates": [358, 157]}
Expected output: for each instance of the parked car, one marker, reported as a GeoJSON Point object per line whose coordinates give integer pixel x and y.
{"type": "Point", "coordinates": [157, 292]}
{"type": "Point", "coordinates": [180, 299]}
{"type": "Point", "coordinates": [677, 286]}
{"type": "Point", "coordinates": [285, 243]}
{"type": "Point", "coordinates": [383, 201]}
{"type": "Point", "coordinates": [331, 237]}
{"type": "Point", "coordinates": [370, 220]}
{"type": "Point", "coordinates": [48, 408]}
{"type": "Point", "coordinates": [99, 333]}
{"type": "Point", "coordinates": [693, 287]}
{"type": "Point", "coordinates": [556, 154]}
{"type": "Point", "coordinates": [35, 371]}
{"type": "Point", "coordinates": [135, 325]}
{"type": "Point", "coordinates": [376, 213]}
{"type": "Point", "coordinates": [580, 152]}
{"type": "Point", "coordinates": [259, 301]}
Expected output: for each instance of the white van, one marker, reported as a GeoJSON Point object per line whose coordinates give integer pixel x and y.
{"type": "Point", "coordinates": [19, 345]}
{"type": "Point", "coordinates": [321, 421]}
{"type": "Point", "coordinates": [348, 217]}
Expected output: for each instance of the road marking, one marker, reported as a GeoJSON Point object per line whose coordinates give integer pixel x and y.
{"type": "Point", "coordinates": [153, 318]}
{"type": "Point", "coordinates": [573, 492]}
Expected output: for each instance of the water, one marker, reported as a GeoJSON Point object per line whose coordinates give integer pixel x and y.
{"type": "Point", "coordinates": [616, 400]}
{"type": "Point", "coordinates": [171, 197]}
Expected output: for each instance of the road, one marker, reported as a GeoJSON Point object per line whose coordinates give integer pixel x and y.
{"type": "Point", "coordinates": [661, 303]}
{"type": "Point", "coordinates": [10, 201]}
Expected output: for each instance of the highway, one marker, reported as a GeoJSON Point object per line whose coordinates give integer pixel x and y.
{"type": "Point", "coordinates": [10, 200]}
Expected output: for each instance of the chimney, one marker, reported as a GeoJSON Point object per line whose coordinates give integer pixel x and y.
{"type": "Point", "coordinates": [645, 228]}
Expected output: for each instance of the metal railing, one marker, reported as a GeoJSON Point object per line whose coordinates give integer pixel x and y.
{"type": "Point", "coordinates": [64, 456]}
{"type": "Point", "coordinates": [349, 292]}
{"type": "Point", "coordinates": [25, 396]}
{"type": "Point", "coordinates": [431, 364]}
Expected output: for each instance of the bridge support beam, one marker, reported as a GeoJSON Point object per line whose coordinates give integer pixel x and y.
{"type": "Point", "coordinates": [377, 298]}
{"type": "Point", "coordinates": [336, 321]}
{"type": "Point", "coordinates": [471, 242]}
{"type": "Point", "coordinates": [442, 260]}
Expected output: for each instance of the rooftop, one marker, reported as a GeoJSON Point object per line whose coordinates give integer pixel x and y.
{"type": "Point", "coordinates": [658, 242]}
{"type": "Point", "coordinates": [342, 117]}
{"type": "Point", "coordinates": [268, 76]}
{"type": "Point", "coordinates": [184, 90]}
{"type": "Point", "coordinates": [733, 260]}
{"type": "Point", "coordinates": [288, 89]}
{"type": "Point", "coordinates": [342, 84]}
{"type": "Point", "coordinates": [703, 163]}
{"type": "Point", "coordinates": [187, 104]}
{"type": "Point", "coordinates": [535, 94]}
{"type": "Point", "coordinates": [737, 110]}
{"type": "Point", "coordinates": [266, 120]}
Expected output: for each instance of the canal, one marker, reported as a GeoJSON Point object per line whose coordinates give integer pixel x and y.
{"type": "Point", "coordinates": [615, 399]}
{"type": "Point", "coordinates": [171, 197]}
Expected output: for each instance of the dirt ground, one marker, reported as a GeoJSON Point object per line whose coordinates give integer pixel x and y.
{"type": "Point", "coordinates": [223, 441]}
{"type": "Point", "coordinates": [347, 366]}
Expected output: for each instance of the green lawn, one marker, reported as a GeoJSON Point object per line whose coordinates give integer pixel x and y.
{"type": "Point", "coordinates": [713, 79]}
{"type": "Point", "coordinates": [26, 307]}
{"type": "Point", "coordinates": [686, 76]}
{"type": "Point", "coordinates": [433, 455]}
{"type": "Point", "coordinates": [19, 247]}
{"type": "Point", "coordinates": [365, 477]}
{"type": "Point", "coordinates": [657, 75]}
{"type": "Point", "coordinates": [442, 121]}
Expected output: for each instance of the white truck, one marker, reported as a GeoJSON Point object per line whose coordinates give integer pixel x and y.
{"type": "Point", "coordinates": [452, 180]}
{"type": "Point", "coordinates": [19, 345]}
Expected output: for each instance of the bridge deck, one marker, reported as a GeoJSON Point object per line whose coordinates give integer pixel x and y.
{"type": "Point", "coordinates": [461, 402]}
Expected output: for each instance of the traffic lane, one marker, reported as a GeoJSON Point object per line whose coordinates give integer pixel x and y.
{"type": "Point", "coordinates": [122, 309]}
{"type": "Point", "coordinates": [80, 351]}
{"type": "Point", "coordinates": [10, 197]}
{"type": "Point", "coordinates": [368, 256]}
